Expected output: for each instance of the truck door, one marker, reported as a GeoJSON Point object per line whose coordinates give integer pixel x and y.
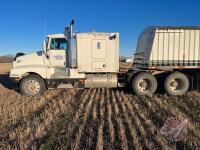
{"type": "Point", "coordinates": [99, 55]}
{"type": "Point", "coordinates": [57, 53]}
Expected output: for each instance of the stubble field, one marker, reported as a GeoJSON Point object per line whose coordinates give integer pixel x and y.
{"type": "Point", "coordinates": [93, 119]}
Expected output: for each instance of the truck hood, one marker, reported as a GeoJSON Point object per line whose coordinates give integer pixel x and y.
{"type": "Point", "coordinates": [34, 59]}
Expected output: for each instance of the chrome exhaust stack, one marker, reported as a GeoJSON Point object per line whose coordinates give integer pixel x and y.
{"type": "Point", "coordinates": [71, 28]}
{"type": "Point", "coordinates": [71, 40]}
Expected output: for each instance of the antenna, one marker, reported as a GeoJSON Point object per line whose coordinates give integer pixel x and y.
{"type": "Point", "coordinates": [45, 27]}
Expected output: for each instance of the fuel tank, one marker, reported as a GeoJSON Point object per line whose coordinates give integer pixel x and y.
{"type": "Point", "coordinates": [101, 81]}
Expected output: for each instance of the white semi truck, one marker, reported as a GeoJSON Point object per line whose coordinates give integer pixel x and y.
{"type": "Point", "coordinates": [165, 56]}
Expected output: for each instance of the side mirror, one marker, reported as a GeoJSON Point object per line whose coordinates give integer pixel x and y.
{"type": "Point", "coordinates": [44, 46]}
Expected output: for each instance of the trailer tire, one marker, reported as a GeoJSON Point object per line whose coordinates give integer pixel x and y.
{"type": "Point", "coordinates": [32, 85]}
{"type": "Point", "coordinates": [144, 84]}
{"type": "Point", "coordinates": [176, 84]}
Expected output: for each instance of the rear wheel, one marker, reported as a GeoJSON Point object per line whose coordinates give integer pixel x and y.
{"type": "Point", "coordinates": [176, 84]}
{"type": "Point", "coordinates": [144, 84]}
{"type": "Point", "coordinates": [32, 85]}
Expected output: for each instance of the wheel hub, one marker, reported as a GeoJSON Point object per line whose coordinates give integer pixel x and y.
{"type": "Point", "coordinates": [176, 84]}
{"type": "Point", "coordinates": [144, 85]}
{"type": "Point", "coordinates": [32, 87]}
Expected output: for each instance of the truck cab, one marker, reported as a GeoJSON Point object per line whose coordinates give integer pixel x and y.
{"type": "Point", "coordinates": [69, 60]}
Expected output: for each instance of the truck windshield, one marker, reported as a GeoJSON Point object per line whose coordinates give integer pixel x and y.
{"type": "Point", "coordinates": [58, 44]}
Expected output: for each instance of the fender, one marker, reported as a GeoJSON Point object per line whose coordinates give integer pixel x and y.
{"type": "Point", "coordinates": [20, 72]}
{"type": "Point", "coordinates": [133, 72]}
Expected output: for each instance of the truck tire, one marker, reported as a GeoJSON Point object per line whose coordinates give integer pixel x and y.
{"type": "Point", "coordinates": [32, 85]}
{"type": "Point", "coordinates": [144, 84]}
{"type": "Point", "coordinates": [176, 84]}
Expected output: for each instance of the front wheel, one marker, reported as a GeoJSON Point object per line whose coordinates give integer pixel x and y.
{"type": "Point", "coordinates": [176, 84]}
{"type": "Point", "coordinates": [32, 85]}
{"type": "Point", "coordinates": [144, 84]}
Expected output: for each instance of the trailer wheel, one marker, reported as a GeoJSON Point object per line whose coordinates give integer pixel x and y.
{"type": "Point", "coordinates": [176, 84]}
{"type": "Point", "coordinates": [32, 85]}
{"type": "Point", "coordinates": [144, 84]}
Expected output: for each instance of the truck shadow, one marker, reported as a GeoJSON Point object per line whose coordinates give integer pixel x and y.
{"type": "Point", "coordinates": [4, 80]}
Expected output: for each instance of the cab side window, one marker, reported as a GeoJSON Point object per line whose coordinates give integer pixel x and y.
{"type": "Point", "coordinates": [58, 44]}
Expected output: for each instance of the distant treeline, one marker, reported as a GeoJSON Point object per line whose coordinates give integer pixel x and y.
{"type": "Point", "coordinates": [6, 59]}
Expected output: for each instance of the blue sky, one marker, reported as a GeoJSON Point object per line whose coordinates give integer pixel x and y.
{"type": "Point", "coordinates": [22, 25]}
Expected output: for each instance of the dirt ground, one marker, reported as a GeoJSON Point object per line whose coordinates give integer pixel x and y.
{"type": "Point", "coordinates": [5, 68]}
{"type": "Point", "coordinates": [94, 119]}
